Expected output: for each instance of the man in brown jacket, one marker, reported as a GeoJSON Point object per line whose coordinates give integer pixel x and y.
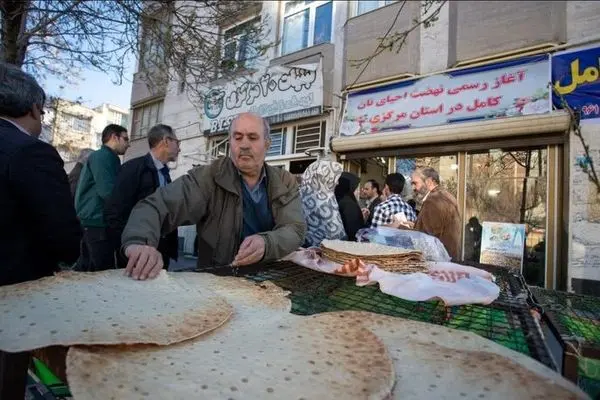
{"type": "Point", "coordinates": [245, 210]}
{"type": "Point", "coordinates": [439, 214]}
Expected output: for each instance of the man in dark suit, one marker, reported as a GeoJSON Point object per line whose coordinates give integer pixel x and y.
{"type": "Point", "coordinates": [39, 228]}
{"type": "Point", "coordinates": [138, 179]}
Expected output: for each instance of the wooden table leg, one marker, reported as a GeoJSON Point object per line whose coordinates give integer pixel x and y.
{"type": "Point", "coordinates": [13, 375]}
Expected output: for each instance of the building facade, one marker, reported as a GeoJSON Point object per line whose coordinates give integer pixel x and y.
{"type": "Point", "coordinates": [508, 156]}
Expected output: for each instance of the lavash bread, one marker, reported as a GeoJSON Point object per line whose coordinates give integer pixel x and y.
{"type": "Point", "coordinates": [106, 308]}
{"type": "Point", "coordinates": [432, 361]}
{"type": "Point", "coordinates": [387, 258]}
{"type": "Point", "coordinates": [262, 352]}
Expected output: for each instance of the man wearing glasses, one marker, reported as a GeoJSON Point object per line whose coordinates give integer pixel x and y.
{"type": "Point", "coordinates": [138, 179]}
{"type": "Point", "coordinates": [96, 184]}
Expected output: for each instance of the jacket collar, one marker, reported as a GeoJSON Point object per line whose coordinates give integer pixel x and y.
{"type": "Point", "coordinates": [226, 175]}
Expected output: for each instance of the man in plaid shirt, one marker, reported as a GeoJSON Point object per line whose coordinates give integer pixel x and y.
{"type": "Point", "coordinates": [384, 213]}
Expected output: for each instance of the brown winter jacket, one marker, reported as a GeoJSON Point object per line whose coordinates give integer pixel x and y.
{"type": "Point", "coordinates": [210, 197]}
{"type": "Point", "coordinates": [439, 217]}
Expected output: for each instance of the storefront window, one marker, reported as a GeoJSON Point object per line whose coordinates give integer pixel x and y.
{"type": "Point", "coordinates": [510, 187]}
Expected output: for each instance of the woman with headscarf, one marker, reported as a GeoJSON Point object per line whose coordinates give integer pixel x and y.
{"type": "Point", "coordinates": [319, 206]}
{"type": "Point", "coordinates": [352, 216]}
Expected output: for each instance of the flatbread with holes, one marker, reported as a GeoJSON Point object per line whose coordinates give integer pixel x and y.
{"type": "Point", "coordinates": [365, 249]}
{"type": "Point", "coordinates": [106, 308]}
{"type": "Point", "coordinates": [262, 352]}
{"type": "Point", "coordinates": [435, 362]}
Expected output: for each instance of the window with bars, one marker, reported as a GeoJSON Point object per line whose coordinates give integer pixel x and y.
{"type": "Point", "coordinates": [277, 143]}
{"type": "Point", "coordinates": [77, 123]}
{"type": "Point", "coordinates": [219, 146]}
{"type": "Point", "coordinates": [308, 136]}
{"type": "Point", "coordinates": [145, 117]}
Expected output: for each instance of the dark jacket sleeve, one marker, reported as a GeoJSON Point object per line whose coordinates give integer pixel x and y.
{"type": "Point", "coordinates": [123, 198]}
{"type": "Point", "coordinates": [41, 182]}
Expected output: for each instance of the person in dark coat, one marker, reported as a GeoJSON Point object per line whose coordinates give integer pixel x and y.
{"type": "Point", "coordinates": [76, 171]}
{"type": "Point", "coordinates": [39, 226]}
{"type": "Point", "coordinates": [352, 216]}
{"type": "Point", "coordinates": [138, 179]}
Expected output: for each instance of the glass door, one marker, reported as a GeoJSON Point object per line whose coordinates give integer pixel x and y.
{"type": "Point", "coordinates": [508, 186]}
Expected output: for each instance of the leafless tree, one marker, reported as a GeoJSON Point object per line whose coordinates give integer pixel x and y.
{"type": "Point", "coordinates": [174, 39]}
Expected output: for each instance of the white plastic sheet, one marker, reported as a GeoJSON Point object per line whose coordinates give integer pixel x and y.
{"type": "Point", "coordinates": [452, 283]}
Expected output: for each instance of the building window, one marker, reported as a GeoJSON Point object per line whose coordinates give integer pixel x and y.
{"type": "Point", "coordinates": [145, 117]}
{"type": "Point", "coordinates": [219, 146]}
{"type": "Point", "coordinates": [76, 123]}
{"type": "Point", "coordinates": [238, 49]}
{"type": "Point", "coordinates": [364, 6]}
{"type": "Point", "coordinates": [309, 136]}
{"type": "Point", "coordinates": [305, 24]}
{"type": "Point", "coordinates": [116, 118]}
{"type": "Point", "coordinates": [154, 34]}
{"type": "Point", "coordinates": [277, 143]}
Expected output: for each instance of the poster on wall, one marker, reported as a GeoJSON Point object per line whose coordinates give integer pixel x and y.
{"type": "Point", "coordinates": [576, 80]}
{"type": "Point", "coordinates": [503, 244]}
{"type": "Point", "coordinates": [508, 89]}
{"type": "Point", "coordinates": [280, 94]}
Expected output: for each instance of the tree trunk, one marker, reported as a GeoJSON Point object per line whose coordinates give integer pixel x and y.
{"type": "Point", "coordinates": [14, 18]}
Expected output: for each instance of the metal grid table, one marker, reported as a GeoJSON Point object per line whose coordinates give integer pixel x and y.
{"type": "Point", "coordinates": [575, 322]}
{"type": "Point", "coordinates": [507, 321]}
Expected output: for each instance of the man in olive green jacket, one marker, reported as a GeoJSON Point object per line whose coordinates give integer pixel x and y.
{"type": "Point", "coordinates": [245, 210]}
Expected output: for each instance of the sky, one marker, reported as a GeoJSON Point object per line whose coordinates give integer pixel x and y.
{"type": "Point", "coordinates": [95, 88]}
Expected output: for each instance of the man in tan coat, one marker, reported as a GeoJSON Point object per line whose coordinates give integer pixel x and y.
{"type": "Point", "coordinates": [245, 210]}
{"type": "Point", "coordinates": [439, 214]}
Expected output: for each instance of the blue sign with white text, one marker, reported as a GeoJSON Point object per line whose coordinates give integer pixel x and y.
{"type": "Point", "coordinates": [576, 77]}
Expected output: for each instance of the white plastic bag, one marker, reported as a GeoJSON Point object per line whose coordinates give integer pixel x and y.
{"type": "Point", "coordinates": [430, 246]}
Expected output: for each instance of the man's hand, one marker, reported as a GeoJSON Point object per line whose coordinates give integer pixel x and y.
{"type": "Point", "coordinates": [398, 224]}
{"type": "Point", "coordinates": [365, 213]}
{"type": "Point", "coordinates": [144, 262]}
{"type": "Point", "coordinates": [251, 251]}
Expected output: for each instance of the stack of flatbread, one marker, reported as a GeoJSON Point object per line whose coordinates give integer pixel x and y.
{"type": "Point", "coordinates": [246, 345]}
{"type": "Point", "coordinates": [387, 258]}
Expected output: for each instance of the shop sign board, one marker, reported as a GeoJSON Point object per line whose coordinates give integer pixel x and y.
{"type": "Point", "coordinates": [576, 80]}
{"type": "Point", "coordinates": [280, 94]}
{"type": "Point", "coordinates": [503, 244]}
{"type": "Point", "coordinates": [514, 88]}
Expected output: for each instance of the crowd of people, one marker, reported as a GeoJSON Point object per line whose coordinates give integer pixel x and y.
{"type": "Point", "coordinates": [106, 215]}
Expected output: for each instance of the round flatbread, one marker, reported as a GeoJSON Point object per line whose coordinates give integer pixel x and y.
{"type": "Point", "coordinates": [432, 361]}
{"type": "Point", "coordinates": [365, 249]}
{"type": "Point", "coordinates": [262, 352]}
{"type": "Point", "coordinates": [106, 308]}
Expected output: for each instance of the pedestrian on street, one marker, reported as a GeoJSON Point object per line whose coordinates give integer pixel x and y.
{"type": "Point", "coordinates": [138, 179]}
{"type": "Point", "coordinates": [96, 184]}
{"type": "Point", "coordinates": [39, 225]}
{"type": "Point", "coordinates": [76, 171]}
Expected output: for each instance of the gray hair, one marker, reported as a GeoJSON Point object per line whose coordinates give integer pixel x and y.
{"type": "Point", "coordinates": [158, 133]}
{"type": "Point", "coordinates": [19, 91]}
{"type": "Point", "coordinates": [83, 155]}
{"type": "Point", "coordinates": [430, 173]}
{"type": "Point", "coordinates": [265, 124]}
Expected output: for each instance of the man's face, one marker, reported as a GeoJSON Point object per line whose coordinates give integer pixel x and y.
{"type": "Point", "coordinates": [419, 187]}
{"type": "Point", "coordinates": [368, 190]}
{"type": "Point", "coordinates": [172, 147]}
{"type": "Point", "coordinates": [37, 113]}
{"type": "Point", "coordinates": [122, 143]}
{"type": "Point", "coordinates": [386, 191]}
{"type": "Point", "coordinates": [248, 144]}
